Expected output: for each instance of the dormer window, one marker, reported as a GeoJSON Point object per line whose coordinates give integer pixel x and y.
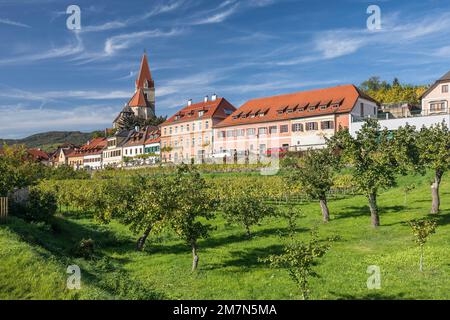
{"type": "Point", "coordinates": [312, 108]}
{"type": "Point", "coordinates": [323, 107]}
{"type": "Point", "coordinates": [201, 113]}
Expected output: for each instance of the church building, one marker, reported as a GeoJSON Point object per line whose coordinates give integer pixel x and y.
{"type": "Point", "coordinates": [142, 105]}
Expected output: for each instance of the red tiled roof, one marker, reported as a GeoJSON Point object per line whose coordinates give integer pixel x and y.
{"type": "Point", "coordinates": [340, 99]}
{"type": "Point", "coordinates": [209, 109]}
{"type": "Point", "coordinates": [138, 100]}
{"type": "Point", "coordinates": [156, 134]}
{"type": "Point", "coordinates": [144, 74]}
{"type": "Point", "coordinates": [95, 146]}
{"type": "Point", "coordinates": [143, 137]}
{"type": "Point", "coordinates": [38, 154]}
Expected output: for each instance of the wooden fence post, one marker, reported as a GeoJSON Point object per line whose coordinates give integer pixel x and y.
{"type": "Point", "coordinates": [3, 207]}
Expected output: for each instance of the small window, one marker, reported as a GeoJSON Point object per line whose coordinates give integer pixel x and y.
{"type": "Point", "coordinates": [361, 106]}
{"type": "Point", "coordinates": [325, 125]}
{"type": "Point", "coordinates": [311, 126]}
{"type": "Point", "coordinates": [262, 130]}
{"type": "Point", "coordinates": [445, 88]}
{"type": "Point", "coordinates": [251, 132]}
{"type": "Point", "coordinates": [284, 128]}
{"type": "Point", "coordinates": [296, 127]}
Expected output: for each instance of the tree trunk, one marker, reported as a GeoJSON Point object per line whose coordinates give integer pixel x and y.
{"type": "Point", "coordinates": [325, 211]}
{"type": "Point", "coordinates": [141, 241]}
{"type": "Point", "coordinates": [247, 231]}
{"type": "Point", "coordinates": [374, 209]}
{"type": "Point", "coordinates": [421, 258]}
{"type": "Point", "coordinates": [194, 256]}
{"type": "Point", "coordinates": [435, 192]}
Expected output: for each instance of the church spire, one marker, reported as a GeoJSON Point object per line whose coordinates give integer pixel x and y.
{"type": "Point", "coordinates": [144, 76]}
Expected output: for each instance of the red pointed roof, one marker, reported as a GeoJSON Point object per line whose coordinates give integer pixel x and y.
{"type": "Point", "coordinates": [144, 74]}
{"type": "Point", "coordinates": [138, 100]}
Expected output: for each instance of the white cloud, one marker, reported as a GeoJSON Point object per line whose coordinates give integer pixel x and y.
{"type": "Point", "coordinates": [13, 23]}
{"type": "Point", "coordinates": [124, 41]}
{"type": "Point", "coordinates": [331, 44]}
{"type": "Point", "coordinates": [217, 17]}
{"type": "Point", "coordinates": [117, 24]}
{"type": "Point", "coordinates": [71, 49]}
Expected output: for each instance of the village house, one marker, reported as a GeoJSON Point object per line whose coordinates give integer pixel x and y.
{"type": "Point", "coordinates": [92, 153]}
{"type": "Point", "coordinates": [296, 121]}
{"type": "Point", "coordinates": [134, 151]}
{"type": "Point", "coordinates": [112, 155]}
{"type": "Point", "coordinates": [188, 134]}
{"type": "Point", "coordinates": [436, 100]}
{"type": "Point", "coordinates": [153, 146]}
{"type": "Point", "coordinates": [75, 159]}
{"type": "Point", "coordinates": [60, 156]}
{"type": "Point", "coordinates": [39, 156]}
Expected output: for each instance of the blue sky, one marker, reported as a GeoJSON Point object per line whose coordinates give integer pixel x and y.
{"type": "Point", "coordinates": [52, 78]}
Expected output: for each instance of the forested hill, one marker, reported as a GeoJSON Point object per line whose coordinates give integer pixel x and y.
{"type": "Point", "coordinates": [48, 141]}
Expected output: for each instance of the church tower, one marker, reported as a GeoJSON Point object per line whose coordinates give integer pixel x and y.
{"type": "Point", "coordinates": [142, 104]}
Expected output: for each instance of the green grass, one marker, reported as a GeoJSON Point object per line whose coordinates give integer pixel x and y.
{"type": "Point", "coordinates": [34, 257]}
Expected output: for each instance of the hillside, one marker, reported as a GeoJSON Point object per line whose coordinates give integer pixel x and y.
{"type": "Point", "coordinates": [50, 140]}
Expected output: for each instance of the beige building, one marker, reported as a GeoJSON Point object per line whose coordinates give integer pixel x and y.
{"type": "Point", "coordinates": [436, 99]}
{"type": "Point", "coordinates": [188, 134]}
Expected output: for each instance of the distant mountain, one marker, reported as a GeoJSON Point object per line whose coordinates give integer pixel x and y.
{"type": "Point", "coordinates": [49, 141]}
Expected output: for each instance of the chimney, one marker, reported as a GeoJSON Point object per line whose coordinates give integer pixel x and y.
{"type": "Point", "coordinates": [205, 99]}
{"type": "Point", "coordinates": [214, 97]}
{"type": "Point", "coordinates": [189, 102]}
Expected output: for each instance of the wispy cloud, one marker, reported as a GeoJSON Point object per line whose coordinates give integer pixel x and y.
{"type": "Point", "coordinates": [118, 24]}
{"type": "Point", "coordinates": [71, 49]}
{"type": "Point", "coordinates": [331, 44]}
{"type": "Point", "coordinates": [124, 41]}
{"type": "Point", "coordinates": [219, 16]}
{"type": "Point", "coordinates": [13, 23]}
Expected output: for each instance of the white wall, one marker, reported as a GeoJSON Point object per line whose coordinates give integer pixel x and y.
{"type": "Point", "coordinates": [394, 124]}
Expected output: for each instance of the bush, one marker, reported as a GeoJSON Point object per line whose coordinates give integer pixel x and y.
{"type": "Point", "coordinates": [40, 207]}
{"type": "Point", "coordinates": [84, 249]}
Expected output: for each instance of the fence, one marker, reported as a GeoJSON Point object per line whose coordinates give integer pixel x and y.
{"type": "Point", "coordinates": [3, 207]}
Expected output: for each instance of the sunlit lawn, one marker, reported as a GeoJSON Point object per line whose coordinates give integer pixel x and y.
{"type": "Point", "coordinates": [34, 258]}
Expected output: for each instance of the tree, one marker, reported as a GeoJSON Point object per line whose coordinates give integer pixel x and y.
{"type": "Point", "coordinates": [192, 202]}
{"type": "Point", "coordinates": [422, 230]}
{"type": "Point", "coordinates": [434, 145]}
{"type": "Point", "coordinates": [151, 207]}
{"type": "Point", "coordinates": [299, 258]}
{"type": "Point", "coordinates": [314, 173]}
{"type": "Point", "coordinates": [371, 155]}
{"type": "Point", "coordinates": [246, 206]}
{"type": "Point", "coordinates": [384, 92]}
{"type": "Point", "coordinates": [17, 169]}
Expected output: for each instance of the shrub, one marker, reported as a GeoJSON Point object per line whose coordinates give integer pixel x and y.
{"type": "Point", "coordinates": [40, 206]}
{"type": "Point", "coordinates": [84, 249]}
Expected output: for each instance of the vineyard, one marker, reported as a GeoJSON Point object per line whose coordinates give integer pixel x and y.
{"type": "Point", "coordinates": [213, 232]}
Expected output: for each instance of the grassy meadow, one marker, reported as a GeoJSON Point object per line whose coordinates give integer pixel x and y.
{"type": "Point", "coordinates": [34, 257]}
